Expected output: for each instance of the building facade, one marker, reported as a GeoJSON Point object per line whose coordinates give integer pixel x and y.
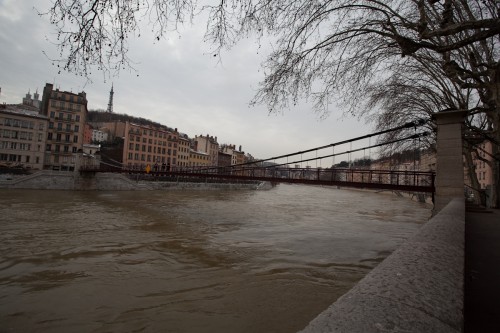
{"type": "Point", "coordinates": [208, 145]}
{"type": "Point", "coordinates": [22, 136]}
{"type": "Point", "coordinates": [237, 156]}
{"type": "Point", "coordinates": [99, 136]}
{"type": "Point", "coordinates": [148, 145]}
{"type": "Point", "coordinates": [199, 159]}
{"type": "Point", "coordinates": [183, 151]}
{"type": "Point", "coordinates": [87, 134]}
{"type": "Point", "coordinates": [482, 166]}
{"type": "Point", "coordinates": [67, 113]}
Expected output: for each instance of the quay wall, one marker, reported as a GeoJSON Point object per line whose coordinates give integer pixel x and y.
{"type": "Point", "coordinates": [66, 180]}
{"type": "Point", "coordinates": [418, 288]}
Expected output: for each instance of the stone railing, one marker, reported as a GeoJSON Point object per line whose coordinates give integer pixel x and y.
{"type": "Point", "coordinates": [418, 288]}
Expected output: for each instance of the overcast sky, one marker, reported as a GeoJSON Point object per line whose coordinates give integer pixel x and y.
{"type": "Point", "coordinates": [180, 85]}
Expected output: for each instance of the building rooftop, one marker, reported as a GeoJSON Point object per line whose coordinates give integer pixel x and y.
{"type": "Point", "coordinates": [22, 109]}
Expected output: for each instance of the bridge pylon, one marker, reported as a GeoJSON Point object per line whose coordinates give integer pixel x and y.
{"type": "Point", "coordinates": [449, 160]}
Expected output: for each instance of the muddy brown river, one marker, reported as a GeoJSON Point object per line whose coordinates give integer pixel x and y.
{"type": "Point", "coordinates": [189, 261]}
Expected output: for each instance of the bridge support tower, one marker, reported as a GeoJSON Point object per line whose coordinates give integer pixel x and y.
{"type": "Point", "coordinates": [449, 169]}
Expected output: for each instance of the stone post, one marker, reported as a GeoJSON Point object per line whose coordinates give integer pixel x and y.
{"type": "Point", "coordinates": [449, 160]}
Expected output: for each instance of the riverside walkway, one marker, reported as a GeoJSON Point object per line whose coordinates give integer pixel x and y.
{"type": "Point", "coordinates": [482, 271]}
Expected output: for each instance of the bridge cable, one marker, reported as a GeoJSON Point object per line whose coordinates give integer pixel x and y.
{"type": "Point", "coordinates": [418, 122]}
{"type": "Point", "coordinates": [355, 150]}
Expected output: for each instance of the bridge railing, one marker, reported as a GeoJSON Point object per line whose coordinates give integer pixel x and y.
{"type": "Point", "coordinates": [415, 181]}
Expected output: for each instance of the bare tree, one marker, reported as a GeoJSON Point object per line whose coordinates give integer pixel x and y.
{"type": "Point", "coordinates": [329, 50]}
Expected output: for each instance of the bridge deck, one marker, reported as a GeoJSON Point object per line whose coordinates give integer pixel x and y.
{"type": "Point", "coordinates": [412, 181]}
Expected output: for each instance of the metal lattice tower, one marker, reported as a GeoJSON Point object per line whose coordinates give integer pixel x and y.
{"type": "Point", "coordinates": [110, 103]}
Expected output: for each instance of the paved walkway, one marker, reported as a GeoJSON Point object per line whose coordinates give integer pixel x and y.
{"type": "Point", "coordinates": [482, 272]}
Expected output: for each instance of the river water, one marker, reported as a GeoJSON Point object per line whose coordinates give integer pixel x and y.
{"type": "Point", "coordinates": [189, 261]}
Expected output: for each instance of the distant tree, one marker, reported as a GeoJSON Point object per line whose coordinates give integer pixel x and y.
{"type": "Point", "coordinates": [343, 164]}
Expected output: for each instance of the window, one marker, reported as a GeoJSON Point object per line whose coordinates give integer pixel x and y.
{"type": "Point", "coordinates": [51, 125]}
{"type": "Point", "coordinates": [52, 114]}
{"type": "Point", "coordinates": [49, 136]}
{"type": "Point", "coordinates": [48, 147]}
{"type": "Point", "coordinates": [66, 138]}
{"type": "Point", "coordinates": [68, 127]}
{"type": "Point", "coordinates": [39, 136]}
{"type": "Point", "coordinates": [73, 149]}
{"type": "Point", "coordinates": [68, 116]}
{"type": "Point", "coordinates": [27, 158]}
{"type": "Point", "coordinates": [130, 146]}
{"type": "Point", "coordinates": [75, 139]}
{"type": "Point", "coordinates": [66, 149]}
{"type": "Point", "coordinates": [58, 148]}
{"type": "Point", "coordinates": [77, 117]}
{"type": "Point", "coordinates": [61, 116]}
{"type": "Point", "coordinates": [130, 155]}
{"type": "Point", "coordinates": [40, 126]}
{"type": "Point", "coordinates": [59, 126]}
{"type": "Point", "coordinates": [58, 137]}
{"type": "Point", "coordinates": [137, 146]}
{"type": "Point", "coordinates": [77, 128]}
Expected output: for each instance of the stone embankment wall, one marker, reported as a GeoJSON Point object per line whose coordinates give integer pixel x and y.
{"type": "Point", "coordinates": [418, 288]}
{"type": "Point", "coordinates": [61, 180]}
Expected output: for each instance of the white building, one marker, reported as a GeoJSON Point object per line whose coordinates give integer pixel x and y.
{"type": "Point", "coordinates": [99, 136]}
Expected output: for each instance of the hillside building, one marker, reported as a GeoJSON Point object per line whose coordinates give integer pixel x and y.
{"type": "Point", "coordinates": [482, 164]}
{"type": "Point", "coordinates": [147, 145]}
{"type": "Point", "coordinates": [208, 145]}
{"type": "Point", "coordinates": [183, 152]}
{"type": "Point", "coordinates": [67, 114]}
{"type": "Point", "coordinates": [22, 136]}
{"type": "Point", "coordinates": [199, 159]}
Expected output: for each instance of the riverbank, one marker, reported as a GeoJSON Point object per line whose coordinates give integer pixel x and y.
{"type": "Point", "coordinates": [418, 288]}
{"type": "Point", "coordinates": [67, 180]}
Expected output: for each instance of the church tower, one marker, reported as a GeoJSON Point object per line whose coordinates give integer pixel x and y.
{"type": "Point", "coordinates": [110, 103]}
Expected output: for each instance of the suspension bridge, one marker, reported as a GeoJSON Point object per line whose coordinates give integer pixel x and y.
{"type": "Point", "coordinates": [287, 168]}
